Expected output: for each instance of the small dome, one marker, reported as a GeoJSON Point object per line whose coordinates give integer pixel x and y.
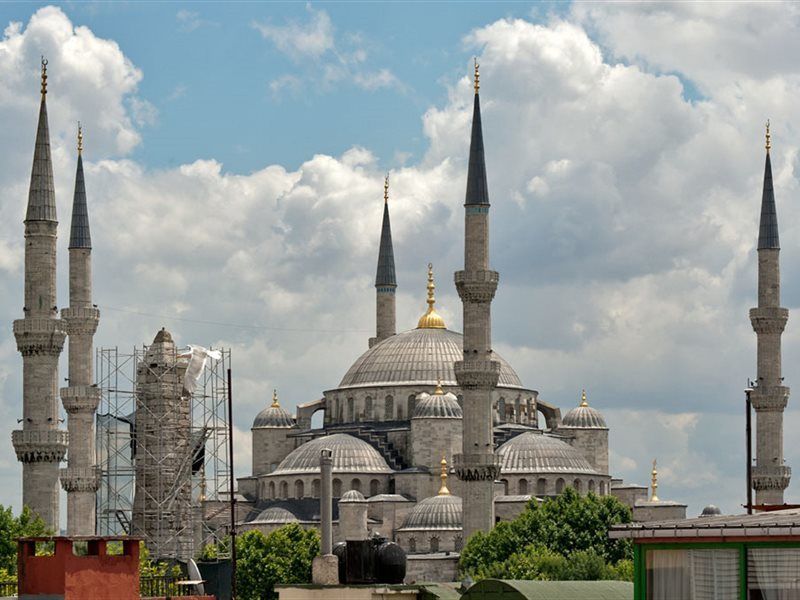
{"type": "Point", "coordinates": [584, 416]}
{"type": "Point", "coordinates": [273, 416]}
{"type": "Point", "coordinates": [533, 452]}
{"type": "Point", "coordinates": [710, 511]}
{"type": "Point", "coordinates": [276, 514]}
{"type": "Point", "coordinates": [350, 455]}
{"type": "Point", "coordinates": [437, 512]}
{"type": "Point", "coordinates": [352, 496]}
{"type": "Point", "coordinates": [439, 405]}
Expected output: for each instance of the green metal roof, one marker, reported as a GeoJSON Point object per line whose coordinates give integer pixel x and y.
{"type": "Point", "coordinates": [497, 589]}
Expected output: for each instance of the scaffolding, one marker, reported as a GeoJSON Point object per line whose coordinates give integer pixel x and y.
{"type": "Point", "coordinates": [180, 451]}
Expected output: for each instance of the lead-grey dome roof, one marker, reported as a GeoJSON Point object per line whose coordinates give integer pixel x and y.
{"type": "Point", "coordinates": [584, 417]}
{"type": "Point", "coordinates": [350, 455]}
{"type": "Point", "coordinates": [352, 496]}
{"type": "Point", "coordinates": [273, 416]}
{"type": "Point", "coordinates": [276, 514]}
{"type": "Point", "coordinates": [437, 406]}
{"type": "Point", "coordinates": [533, 452]}
{"type": "Point", "coordinates": [437, 512]}
{"type": "Point", "coordinates": [419, 356]}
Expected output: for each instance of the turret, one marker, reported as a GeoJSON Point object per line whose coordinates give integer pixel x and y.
{"type": "Point", "coordinates": [588, 432]}
{"type": "Point", "coordinates": [385, 279]}
{"type": "Point", "coordinates": [271, 443]}
{"type": "Point", "coordinates": [769, 396]}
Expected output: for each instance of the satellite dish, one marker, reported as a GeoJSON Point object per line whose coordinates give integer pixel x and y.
{"type": "Point", "coordinates": [194, 576]}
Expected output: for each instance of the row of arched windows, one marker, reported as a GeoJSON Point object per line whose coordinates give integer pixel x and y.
{"type": "Point", "coordinates": [561, 483]}
{"type": "Point", "coordinates": [433, 544]}
{"type": "Point", "coordinates": [274, 491]}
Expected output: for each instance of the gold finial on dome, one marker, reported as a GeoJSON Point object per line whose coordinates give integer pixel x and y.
{"type": "Point", "coordinates": [438, 391]}
{"type": "Point", "coordinates": [431, 319]}
{"type": "Point", "coordinates": [386, 189]}
{"type": "Point", "coordinates": [654, 483]}
{"type": "Point", "coordinates": [477, 76]}
{"type": "Point", "coordinates": [275, 399]}
{"type": "Point", "coordinates": [44, 77]}
{"type": "Point", "coordinates": [583, 398]}
{"type": "Point", "coordinates": [80, 138]}
{"type": "Point", "coordinates": [769, 145]}
{"type": "Point", "coordinates": [443, 491]}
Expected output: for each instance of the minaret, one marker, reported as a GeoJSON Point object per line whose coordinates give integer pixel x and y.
{"type": "Point", "coordinates": [769, 396]}
{"type": "Point", "coordinates": [80, 399]}
{"type": "Point", "coordinates": [385, 279]}
{"type": "Point", "coordinates": [477, 374]}
{"type": "Point", "coordinates": [40, 445]}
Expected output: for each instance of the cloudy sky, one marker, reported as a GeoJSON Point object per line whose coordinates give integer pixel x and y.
{"type": "Point", "coordinates": [235, 156]}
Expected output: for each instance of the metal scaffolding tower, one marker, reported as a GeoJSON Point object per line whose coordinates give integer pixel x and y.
{"type": "Point", "coordinates": [180, 451]}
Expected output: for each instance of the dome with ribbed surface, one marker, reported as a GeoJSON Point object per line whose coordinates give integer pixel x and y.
{"type": "Point", "coordinates": [352, 496]}
{"type": "Point", "coordinates": [438, 405]}
{"type": "Point", "coordinates": [584, 417]}
{"type": "Point", "coordinates": [276, 514]}
{"type": "Point", "coordinates": [438, 512]}
{"type": "Point", "coordinates": [350, 455]}
{"type": "Point", "coordinates": [533, 452]}
{"type": "Point", "coordinates": [419, 356]}
{"type": "Point", "coordinates": [273, 416]}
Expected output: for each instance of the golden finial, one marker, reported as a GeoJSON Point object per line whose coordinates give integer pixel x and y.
{"type": "Point", "coordinates": [477, 76]}
{"type": "Point", "coordinates": [431, 319]}
{"type": "Point", "coordinates": [443, 491]}
{"type": "Point", "coordinates": [769, 145]}
{"type": "Point", "coordinates": [44, 76]}
{"type": "Point", "coordinates": [654, 482]}
{"type": "Point", "coordinates": [275, 399]}
{"type": "Point", "coordinates": [80, 138]}
{"type": "Point", "coordinates": [386, 189]}
{"type": "Point", "coordinates": [583, 398]}
{"type": "Point", "coordinates": [438, 391]}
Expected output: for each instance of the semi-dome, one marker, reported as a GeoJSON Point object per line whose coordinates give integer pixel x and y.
{"type": "Point", "coordinates": [274, 415]}
{"type": "Point", "coordinates": [437, 512]}
{"type": "Point", "coordinates": [439, 405]}
{"type": "Point", "coordinates": [350, 455]}
{"type": "Point", "coordinates": [533, 452]}
{"type": "Point", "coordinates": [584, 416]}
{"type": "Point", "coordinates": [419, 356]}
{"type": "Point", "coordinates": [276, 514]}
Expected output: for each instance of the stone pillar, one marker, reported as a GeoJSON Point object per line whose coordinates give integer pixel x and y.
{"type": "Point", "coordinates": [326, 501]}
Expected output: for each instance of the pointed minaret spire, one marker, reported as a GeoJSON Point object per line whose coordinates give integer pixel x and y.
{"type": "Point", "coordinates": [385, 279]}
{"type": "Point", "coordinates": [42, 195]}
{"type": "Point", "coordinates": [477, 189]}
{"type": "Point", "coordinates": [768, 228]}
{"type": "Point", "coordinates": [79, 235]}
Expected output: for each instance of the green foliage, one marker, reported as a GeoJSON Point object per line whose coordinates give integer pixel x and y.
{"type": "Point", "coordinates": [27, 524]}
{"type": "Point", "coordinates": [565, 537]}
{"type": "Point", "coordinates": [282, 556]}
{"type": "Point", "coordinates": [153, 568]}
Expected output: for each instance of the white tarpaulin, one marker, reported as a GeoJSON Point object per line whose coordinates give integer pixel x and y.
{"type": "Point", "coordinates": [197, 356]}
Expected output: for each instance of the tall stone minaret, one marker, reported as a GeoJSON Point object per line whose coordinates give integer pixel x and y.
{"type": "Point", "coordinates": [477, 374]}
{"type": "Point", "coordinates": [80, 399]}
{"type": "Point", "coordinates": [40, 445]}
{"type": "Point", "coordinates": [385, 279]}
{"type": "Point", "coordinates": [769, 396]}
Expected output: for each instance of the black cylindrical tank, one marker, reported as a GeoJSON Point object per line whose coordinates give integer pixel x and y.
{"type": "Point", "coordinates": [340, 552]}
{"type": "Point", "coordinates": [390, 565]}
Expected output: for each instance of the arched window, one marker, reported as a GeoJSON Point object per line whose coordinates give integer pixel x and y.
{"type": "Point", "coordinates": [412, 544]}
{"type": "Point", "coordinates": [505, 486]}
{"type": "Point", "coordinates": [517, 411]}
{"type": "Point", "coordinates": [501, 409]}
{"type": "Point", "coordinates": [412, 402]}
{"type": "Point", "coordinates": [591, 486]}
{"type": "Point", "coordinates": [458, 543]}
{"type": "Point", "coordinates": [602, 488]}
{"type": "Point", "coordinates": [577, 485]}
{"type": "Point", "coordinates": [351, 410]}
{"type": "Point", "coordinates": [368, 409]}
{"type": "Point", "coordinates": [271, 494]}
{"type": "Point", "coordinates": [559, 485]}
{"type": "Point", "coordinates": [541, 487]}
{"type": "Point", "coordinates": [399, 411]}
{"type": "Point", "coordinates": [388, 409]}
{"type": "Point", "coordinates": [337, 488]}
{"type": "Point", "coordinates": [284, 489]}
{"type": "Point", "coordinates": [355, 485]}
{"type": "Point", "coordinates": [523, 487]}
{"type": "Point", "coordinates": [434, 544]}
{"type": "Point", "coordinates": [315, 488]}
{"type": "Point", "coordinates": [299, 489]}
{"type": "Point", "coordinates": [374, 487]}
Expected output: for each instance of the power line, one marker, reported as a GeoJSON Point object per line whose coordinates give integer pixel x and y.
{"type": "Point", "coordinates": [239, 325]}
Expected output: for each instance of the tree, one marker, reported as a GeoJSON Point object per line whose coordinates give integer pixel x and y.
{"type": "Point", "coordinates": [282, 556]}
{"type": "Point", "coordinates": [27, 524]}
{"type": "Point", "coordinates": [569, 526]}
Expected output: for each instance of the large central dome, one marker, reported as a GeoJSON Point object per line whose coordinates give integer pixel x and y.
{"type": "Point", "coordinates": [419, 356]}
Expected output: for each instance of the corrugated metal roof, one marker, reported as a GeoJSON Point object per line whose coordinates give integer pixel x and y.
{"type": "Point", "coordinates": [491, 589]}
{"type": "Point", "coordinates": [779, 522]}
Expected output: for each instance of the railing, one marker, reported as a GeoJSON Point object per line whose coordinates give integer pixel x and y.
{"type": "Point", "coordinates": [164, 585]}
{"type": "Point", "coordinates": [8, 588]}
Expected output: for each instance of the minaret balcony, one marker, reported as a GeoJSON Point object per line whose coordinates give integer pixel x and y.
{"type": "Point", "coordinates": [80, 398]}
{"type": "Point", "coordinates": [39, 336]}
{"type": "Point", "coordinates": [478, 286]}
{"type": "Point", "coordinates": [40, 445]}
{"type": "Point", "coordinates": [80, 320]}
{"type": "Point", "coordinates": [477, 374]}
{"type": "Point", "coordinates": [769, 398]}
{"type": "Point", "coordinates": [80, 479]}
{"type": "Point", "coordinates": [769, 319]}
{"type": "Point", "coordinates": [477, 466]}
{"type": "Point", "coordinates": [771, 477]}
